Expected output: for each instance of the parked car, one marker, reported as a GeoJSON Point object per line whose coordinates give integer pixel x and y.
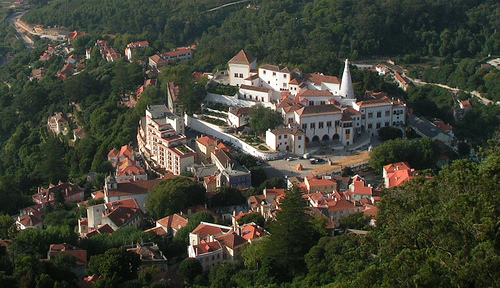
{"type": "Point", "coordinates": [289, 159]}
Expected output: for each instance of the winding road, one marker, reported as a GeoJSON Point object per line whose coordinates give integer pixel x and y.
{"type": "Point", "coordinates": [21, 30]}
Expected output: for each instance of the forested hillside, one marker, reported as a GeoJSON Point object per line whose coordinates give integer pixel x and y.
{"type": "Point", "coordinates": [177, 22]}
{"type": "Point", "coordinates": [295, 32]}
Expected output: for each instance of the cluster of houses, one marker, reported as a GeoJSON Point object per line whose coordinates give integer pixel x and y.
{"type": "Point", "coordinates": [157, 61]}
{"type": "Point", "coordinates": [59, 123]}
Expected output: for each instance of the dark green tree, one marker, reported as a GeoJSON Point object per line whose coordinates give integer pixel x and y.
{"type": "Point", "coordinates": [173, 195]}
{"type": "Point", "coordinates": [390, 133]}
{"type": "Point", "coordinates": [117, 265]}
{"type": "Point", "coordinates": [227, 196]}
{"type": "Point", "coordinates": [262, 118]}
{"type": "Point", "coordinates": [189, 269]}
{"type": "Point", "coordinates": [292, 235]}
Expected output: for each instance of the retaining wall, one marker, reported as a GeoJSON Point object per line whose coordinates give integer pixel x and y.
{"type": "Point", "coordinates": [218, 132]}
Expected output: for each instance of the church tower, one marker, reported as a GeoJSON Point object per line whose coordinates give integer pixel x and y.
{"type": "Point", "coordinates": [346, 89]}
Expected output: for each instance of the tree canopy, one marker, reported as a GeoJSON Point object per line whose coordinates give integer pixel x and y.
{"type": "Point", "coordinates": [420, 153]}
{"type": "Point", "coordinates": [262, 118]}
{"type": "Point", "coordinates": [173, 195]}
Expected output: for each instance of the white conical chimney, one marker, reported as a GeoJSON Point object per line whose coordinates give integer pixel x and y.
{"type": "Point", "coordinates": [346, 89]}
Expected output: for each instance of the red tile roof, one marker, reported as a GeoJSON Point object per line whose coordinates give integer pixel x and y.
{"type": "Point", "coordinates": [252, 231]}
{"type": "Point", "coordinates": [133, 188]}
{"type": "Point", "coordinates": [205, 229]}
{"type": "Point", "coordinates": [315, 93]}
{"type": "Point", "coordinates": [318, 78]}
{"type": "Point", "coordinates": [160, 231]}
{"type": "Point", "coordinates": [175, 222]}
{"type": "Point", "coordinates": [370, 210]}
{"type": "Point", "coordinates": [232, 240]}
{"type": "Point", "coordinates": [361, 189]}
{"type": "Point", "coordinates": [206, 247]}
{"type": "Point", "coordinates": [241, 58]}
{"type": "Point", "coordinates": [207, 141]}
{"type": "Point", "coordinates": [318, 110]}
{"type": "Point", "coordinates": [397, 166]}
{"type": "Point", "coordinates": [79, 254]}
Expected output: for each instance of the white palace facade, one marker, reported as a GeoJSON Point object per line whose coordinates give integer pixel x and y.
{"type": "Point", "coordinates": [323, 107]}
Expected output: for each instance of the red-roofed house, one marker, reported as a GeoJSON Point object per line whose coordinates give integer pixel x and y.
{"type": "Point", "coordinates": [117, 214]}
{"type": "Point", "coordinates": [396, 174]}
{"type": "Point", "coordinates": [171, 224]}
{"type": "Point", "coordinates": [232, 244]}
{"type": "Point", "coordinates": [114, 191]}
{"type": "Point", "coordinates": [179, 54]}
{"type": "Point", "coordinates": [320, 185]}
{"type": "Point", "coordinates": [252, 231]}
{"type": "Point", "coordinates": [79, 254]}
{"type": "Point", "coordinates": [207, 231]}
{"type": "Point", "coordinates": [239, 117]}
{"type": "Point", "coordinates": [204, 147]}
{"type": "Point", "coordinates": [208, 253]}
{"type": "Point", "coordinates": [72, 35]}
{"type": "Point", "coordinates": [210, 183]}
{"type": "Point", "coordinates": [71, 192]}
{"type": "Point", "coordinates": [358, 190]}
{"type": "Point", "coordinates": [240, 68]}
{"type": "Point", "coordinates": [58, 123]}
{"type": "Point", "coordinates": [133, 47]}
{"type": "Point", "coordinates": [29, 221]}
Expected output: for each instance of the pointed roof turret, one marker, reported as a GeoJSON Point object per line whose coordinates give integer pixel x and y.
{"type": "Point", "coordinates": [242, 58]}
{"type": "Point", "coordinates": [346, 89]}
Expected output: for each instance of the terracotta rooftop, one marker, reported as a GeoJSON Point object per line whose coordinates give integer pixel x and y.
{"type": "Point", "coordinates": [397, 166]}
{"type": "Point", "coordinates": [315, 93]}
{"type": "Point", "coordinates": [205, 229]}
{"type": "Point", "coordinates": [207, 141]}
{"type": "Point", "coordinates": [133, 188]}
{"type": "Point", "coordinates": [241, 58]}
{"type": "Point", "coordinates": [252, 231]}
{"type": "Point", "coordinates": [79, 254]}
{"type": "Point", "coordinates": [206, 247]}
{"type": "Point", "coordinates": [280, 68]}
{"type": "Point", "coordinates": [175, 222]}
{"type": "Point", "coordinates": [318, 78]}
{"type": "Point", "coordinates": [318, 109]}
{"type": "Point", "coordinates": [232, 240]}
{"type": "Point", "coordinates": [254, 88]}
{"type": "Point", "coordinates": [240, 112]}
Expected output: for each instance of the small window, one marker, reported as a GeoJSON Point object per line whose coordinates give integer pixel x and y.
{"type": "Point", "coordinates": [328, 123]}
{"type": "Point", "coordinates": [285, 136]}
{"type": "Point", "coordinates": [284, 76]}
{"type": "Point", "coordinates": [279, 137]}
{"type": "Point", "coordinates": [299, 146]}
{"type": "Point", "coordinates": [370, 126]}
{"type": "Point", "coordinates": [300, 138]}
{"type": "Point", "coordinates": [379, 114]}
{"type": "Point", "coordinates": [378, 125]}
{"type": "Point", "coordinates": [304, 126]}
{"type": "Point", "coordinates": [320, 125]}
{"type": "Point", "coordinates": [387, 113]}
{"type": "Point", "coordinates": [241, 75]}
{"type": "Point", "coordinates": [312, 125]}
{"type": "Point", "coordinates": [311, 103]}
{"type": "Point", "coordinates": [274, 73]}
{"type": "Point", "coordinates": [370, 114]}
{"type": "Point", "coordinates": [236, 75]}
{"type": "Point", "coordinates": [264, 72]}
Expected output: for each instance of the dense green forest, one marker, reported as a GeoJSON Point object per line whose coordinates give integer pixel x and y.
{"type": "Point", "coordinates": [307, 33]}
